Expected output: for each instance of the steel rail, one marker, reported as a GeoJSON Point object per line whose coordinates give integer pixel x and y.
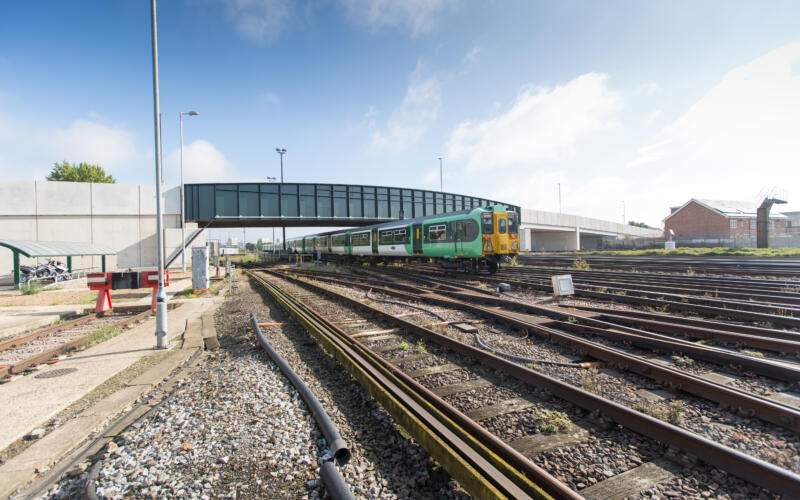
{"type": "Point", "coordinates": [25, 338]}
{"type": "Point", "coordinates": [42, 357]}
{"type": "Point", "coordinates": [735, 284]}
{"type": "Point", "coordinates": [743, 402]}
{"type": "Point", "coordinates": [747, 467]}
{"type": "Point", "coordinates": [476, 471]}
{"type": "Point", "coordinates": [713, 311]}
{"type": "Point", "coordinates": [637, 337]}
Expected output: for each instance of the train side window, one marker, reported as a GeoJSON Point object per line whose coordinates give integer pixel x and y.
{"type": "Point", "coordinates": [400, 236]}
{"type": "Point", "coordinates": [502, 225]}
{"type": "Point", "coordinates": [386, 237]}
{"type": "Point", "coordinates": [437, 232]}
{"type": "Point", "coordinates": [487, 223]}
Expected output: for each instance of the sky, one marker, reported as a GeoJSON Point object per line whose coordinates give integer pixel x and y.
{"type": "Point", "coordinates": [631, 106]}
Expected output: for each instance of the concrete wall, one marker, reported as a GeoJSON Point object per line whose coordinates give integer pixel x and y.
{"type": "Point", "coordinates": [551, 231]}
{"type": "Point", "coordinates": [557, 221]}
{"type": "Point", "coordinates": [120, 216]}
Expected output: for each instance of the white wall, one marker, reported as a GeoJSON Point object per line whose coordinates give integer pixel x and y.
{"type": "Point", "coordinates": [120, 216]}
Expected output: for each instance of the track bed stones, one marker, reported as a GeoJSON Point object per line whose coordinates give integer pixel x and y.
{"type": "Point", "coordinates": [529, 422]}
{"type": "Point", "coordinates": [384, 463]}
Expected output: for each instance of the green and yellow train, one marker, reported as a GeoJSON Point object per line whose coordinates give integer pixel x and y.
{"type": "Point", "coordinates": [467, 240]}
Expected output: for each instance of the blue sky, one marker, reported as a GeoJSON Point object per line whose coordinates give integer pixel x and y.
{"type": "Point", "coordinates": [646, 103]}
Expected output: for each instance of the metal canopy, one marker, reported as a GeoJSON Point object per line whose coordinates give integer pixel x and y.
{"type": "Point", "coordinates": [33, 248]}
{"type": "Point", "coordinates": [303, 204]}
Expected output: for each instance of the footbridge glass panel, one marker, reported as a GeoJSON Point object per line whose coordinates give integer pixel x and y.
{"type": "Point", "coordinates": [291, 204]}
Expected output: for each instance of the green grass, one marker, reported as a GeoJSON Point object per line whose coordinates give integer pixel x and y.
{"type": "Point", "coordinates": [30, 289]}
{"type": "Point", "coordinates": [687, 251]}
{"type": "Point", "coordinates": [186, 293]}
{"type": "Point", "coordinates": [101, 335]}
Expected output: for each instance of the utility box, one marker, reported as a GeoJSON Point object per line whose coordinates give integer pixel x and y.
{"type": "Point", "coordinates": [562, 285]}
{"type": "Point", "coordinates": [200, 277]}
{"type": "Point", "coordinates": [669, 245]}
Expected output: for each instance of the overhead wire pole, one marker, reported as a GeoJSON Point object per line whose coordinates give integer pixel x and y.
{"type": "Point", "coordinates": [282, 151]}
{"type": "Point", "coordinates": [161, 296]}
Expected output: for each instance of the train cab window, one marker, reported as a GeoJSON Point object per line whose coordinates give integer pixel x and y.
{"type": "Point", "coordinates": [400, 236]}
{"type": "Point", "coordinates": [437, 232]}
{"type": "Point", "coordinates": [487, 224]}
{"type": "Point", "coordinates": [513, 223]}
{"type": "Point", "coordinates": [386, 237]}
{"type": "Point", "coordinates": [502, 225]}
{"type": "Point", "coordinates": [471, 229]}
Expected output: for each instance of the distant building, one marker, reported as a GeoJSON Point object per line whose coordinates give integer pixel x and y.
{"type": "Point", "coordinates": [719, 219]}
{"type": "Point", "coordinates": [792, 222]}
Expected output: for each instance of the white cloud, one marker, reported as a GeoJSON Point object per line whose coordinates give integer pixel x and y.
{"type": "Point", "coordinates": [471, 55]}
{"type": "Point", "coordinates": [31, 149]}
{"type": "Point", "coordinates": [416, 15]}
{"type": "Point", "coordinates": [740, 138]}
{"type": "Point", "coordinates": [270, 98]}
{"type": "Point", "coordinates": [258, 20]}
{"type": "Point", "coordinates": [107, 145]}
{"type": "Point", "coordinates": [202, 162]}
{"type": "Point", "coordinates": [412, 118]}
{"type": "Point", "coordinates": [542, 124]}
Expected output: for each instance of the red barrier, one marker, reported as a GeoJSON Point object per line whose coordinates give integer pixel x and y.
{"type": "Point", "coordinates": [102, 283]}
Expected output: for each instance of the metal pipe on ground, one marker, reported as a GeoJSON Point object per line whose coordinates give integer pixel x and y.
{"type": "Point", "coordinates": [337, 446]}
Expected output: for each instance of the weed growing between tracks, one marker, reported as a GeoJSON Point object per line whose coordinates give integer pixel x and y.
{"type": "Point", "coordinates": [580, 265]}
{"type": "Point", "coordinates": [552, 421]}
{"type": "Point", "coordinates": [101, 335]}
{"type": "Point", "coordinates": [591, 382]}
{"type": "Point", "coordinates": [672, 412]}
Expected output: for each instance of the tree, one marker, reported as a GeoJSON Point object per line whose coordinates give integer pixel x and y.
{"type": "Point", "coordinates": [251, 247]}
{"type": "Point", "coordinates": [82, 172]}
{"type": "Point", "coordinates": [638, 224]}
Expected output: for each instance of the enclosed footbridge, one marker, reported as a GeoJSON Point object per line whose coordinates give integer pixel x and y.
{"type": "Point", "coordinates": [321, 205]}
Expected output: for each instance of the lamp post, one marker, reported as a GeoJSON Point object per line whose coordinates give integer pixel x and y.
{"type": "Point", "coordinates": [161, 296]}
{"type": "Point", "coordinates": [282, 151]}
{"type": "Point", "coordinates": [272, 243]}
{"type": "Point", "coordinates": [440, 174]}
{"type": "Point", "coordinates": [183, 216]}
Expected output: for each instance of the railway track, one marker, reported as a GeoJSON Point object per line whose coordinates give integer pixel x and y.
{"type": "Point", "coordinates": [778, 307]}
{"type": "Point", "coordinates": [443, 359]}
{"type": "Point", "coordinates": [764, 266]}
{"type": "Point", "coordinates": [44, 345]}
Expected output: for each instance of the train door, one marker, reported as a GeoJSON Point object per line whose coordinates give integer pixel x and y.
{"type": "Point", "coordinates": [459, 234]}
{"type": "Point", "coordinates": [375, 242]}
{"type": "Point", "coordinates": [416, 238]}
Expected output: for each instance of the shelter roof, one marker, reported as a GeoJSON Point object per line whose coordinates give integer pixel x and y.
{"type": "Point", "coordinates": [33, 248]}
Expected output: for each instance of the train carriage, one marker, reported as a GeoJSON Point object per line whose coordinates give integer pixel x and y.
{"type": "Point", "coordinates": [466, 240]}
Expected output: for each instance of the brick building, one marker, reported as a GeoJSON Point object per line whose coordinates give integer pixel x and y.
{"type": "Point", "coordinates": [719, 219]}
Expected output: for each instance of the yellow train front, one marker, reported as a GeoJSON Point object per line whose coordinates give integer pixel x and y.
{"type": "Point", "coordinates": [500, 229]}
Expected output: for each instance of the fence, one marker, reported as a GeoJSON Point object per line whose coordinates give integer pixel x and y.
{"type": "Point", "coordinates": [776, 241]}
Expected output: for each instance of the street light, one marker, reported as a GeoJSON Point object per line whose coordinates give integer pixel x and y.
{"type": "Point", "coordinates": [161, 296]}
{"type": "Point", "coordinates": [282, 151]}
{"type": "Point", "coordinates": [440, 174]}
{"type": "Point", "coordinates": [183, 216]}
{"type": "Point", "coordinates": [272, 243]}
